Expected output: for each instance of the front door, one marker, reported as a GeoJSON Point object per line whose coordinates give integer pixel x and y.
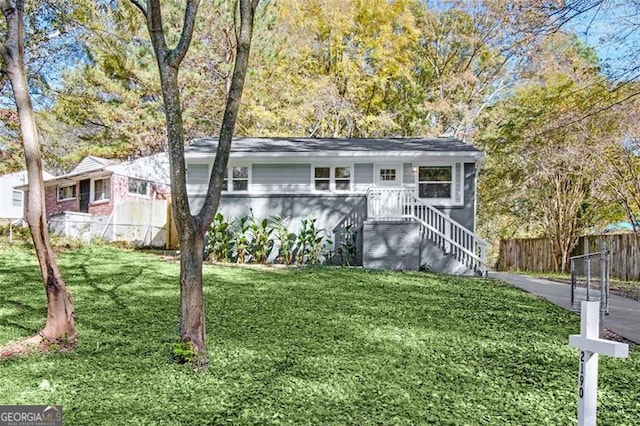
{"type": "Point", "coordinates": [389, 175]}
{"type": "Point", "coordinates": [85, 193]}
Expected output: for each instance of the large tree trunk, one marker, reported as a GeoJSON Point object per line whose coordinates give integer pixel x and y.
{"type": "Point", "coordinates": [191, 228]}
{"type": "Point", "coordinates": [191, 236]}
{"type": "Point", "coordinates": [192, 320]}
{"type": "Point", "coordinates": [60, 315]}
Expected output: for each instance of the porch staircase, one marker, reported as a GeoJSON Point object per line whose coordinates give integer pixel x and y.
{"type": "Point", "coordinates": [401, 204]}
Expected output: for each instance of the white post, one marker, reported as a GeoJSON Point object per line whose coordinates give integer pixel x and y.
{"type": "Point", "coordinates": [447, 233]}
{"type": "Point", "coordinates": [590, 346]}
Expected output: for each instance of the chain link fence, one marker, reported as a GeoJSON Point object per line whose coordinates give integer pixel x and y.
{"type": "Point", "coordinates": [590, 281]}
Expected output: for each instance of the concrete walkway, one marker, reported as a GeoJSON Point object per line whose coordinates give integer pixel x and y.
{"type": "Point", "coordinates": [624, 314]}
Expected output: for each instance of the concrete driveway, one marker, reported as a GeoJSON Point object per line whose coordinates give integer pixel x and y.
{"type": "Point", "coordinates": [624, 314]}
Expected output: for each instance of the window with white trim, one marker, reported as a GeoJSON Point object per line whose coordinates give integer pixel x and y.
{"type": "Point", "coordinates": [240, 178]}
{"type": "Point", "coordinates": [66, 192]}
{"type": "Point", "coordinates": [138, 187]}
{"type": "Point", "coordinates": [388, 175]}
{"type": "Point", "coordinates": [332, 179]}
{"type": "Point", "coordinates": [16, 199]}
{"type": "Point", "coordinates": [101, 189]}
{"type": "Point", "coordinates": [342, 177]}
{"type": "Point", "coordinates": [322, 178]}
{"type": "Point", "coordinates": [435, 181]}
{"type": "Point", "coordinates": [239, 181]}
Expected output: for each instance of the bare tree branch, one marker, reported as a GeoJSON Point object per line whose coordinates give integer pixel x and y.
{"type": "Point", "coordinates": [176, 56]}
{"type": "Point", "coordinates": [243, 46]}
{"type": "Point", "coordinates": [142, 9]}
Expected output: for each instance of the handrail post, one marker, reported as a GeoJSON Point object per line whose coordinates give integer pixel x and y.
{"type": "Point", "coordinates": [447, 233]}
{"type": "Point", "coordinates": [573, 279]}
{"type": "Point", "coordinates": [604, 282]}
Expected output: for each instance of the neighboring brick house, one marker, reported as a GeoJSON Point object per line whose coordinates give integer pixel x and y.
{"type": "Point", "coordinates": [119, 201]}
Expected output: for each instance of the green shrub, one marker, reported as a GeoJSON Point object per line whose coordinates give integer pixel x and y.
{"type": "Point", "coordinates": [219, 241]}
{"type": "Point", "coordinates": [312, 244]}
{"type": "Point", "coordinates": [260, 232]}
{"type": "Point", "coordinates": [249, 239]}
{"type": "Point", "coordinates": [16, 231]}
{"type": "Point", "coordinates": [240, 241]}
{"type": "Point", "coordinates": [287, 241]}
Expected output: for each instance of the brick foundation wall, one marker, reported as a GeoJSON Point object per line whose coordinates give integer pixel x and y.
{"type": "Point", "coordinates": [391, 245]}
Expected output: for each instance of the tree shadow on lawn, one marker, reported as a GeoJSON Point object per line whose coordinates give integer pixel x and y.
{"type": "Point", "coordinates": [311, 346]}
{"type": "Point", "coordinates": [131, 296]}
{"type": "Point", "coordinates": [366, 333]}
{"type": "Point", "coordinates": [23, 305]}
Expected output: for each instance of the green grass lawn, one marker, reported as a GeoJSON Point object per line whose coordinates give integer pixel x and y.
{"type": "Point", "coordinates": [308, 346]}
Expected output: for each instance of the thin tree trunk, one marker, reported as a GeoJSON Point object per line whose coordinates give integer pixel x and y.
{"type": "Point", "coordinates": [192, 324]}
{"type": "Point", "coordinates": [191, 228]}
{"type": "Point", "coordinates": [192, 319]}
{"type": "Point", "coordinates": [60, 322]}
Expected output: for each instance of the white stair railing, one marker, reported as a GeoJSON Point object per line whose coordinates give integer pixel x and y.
{"type": "Point", "coordinates": [385, 204]}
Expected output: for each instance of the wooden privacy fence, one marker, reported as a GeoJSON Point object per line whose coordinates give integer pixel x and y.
{"type": "Point", "coordinates": [172, 232]}
{"type": "Point", "coordinates": [534, 254]}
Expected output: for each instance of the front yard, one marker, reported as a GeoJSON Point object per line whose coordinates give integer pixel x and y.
{"type": "Point", "coordinates": [301, 346]}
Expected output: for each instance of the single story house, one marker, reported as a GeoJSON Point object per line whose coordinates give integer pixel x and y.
{"type": "Point", "coordinates": [12, 199]}
{"type": "Point", "coordinates": [118, 201]}
{"type": "Point", "coordinates": [411, 201]}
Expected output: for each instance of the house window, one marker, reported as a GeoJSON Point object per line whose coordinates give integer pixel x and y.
{"type": "Point", "coordinates": [343, 178]}
{"type": "Point", "coordinates": [240, 178]}
{"type": "Point", "coordinates": [332, 178]}
{"type": "Point", "coordinates": [138, 187]}
{"type": "Point", "coordinates": [387, 175]}
{"type": "Point", "coordinates": [101, 189]}
{"type": "Point", "coordinates": [322, 176]}
{"type": "Point", "coordinates": [66, 192]}
{"type": "Point", "coordinates": [435, 181]}
{"type": "Point", "coordinates": [16, 199]}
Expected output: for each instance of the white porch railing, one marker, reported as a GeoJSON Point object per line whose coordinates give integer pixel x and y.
{"type": "Point", "coordinates": [385, 204]}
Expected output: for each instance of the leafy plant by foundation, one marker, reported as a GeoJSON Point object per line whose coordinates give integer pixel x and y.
{"type": "Point", "coordinates": [240, 239]}
{"type": "Point", "coordinates": [312, 243]}
{"type": "Point", "coordinates": [286, 240]}
{"type": "Point", "coordinates": [261, 235]}
{"type": "Point", "coordinates": [219, 242]}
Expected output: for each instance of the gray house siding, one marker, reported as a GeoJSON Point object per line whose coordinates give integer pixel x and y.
{"type": "Point", "coordinates": [281, 177]}
{"type": "Point", "coordinates": [465, 214]}
{"type": "Point", "coordinates": [408, 178]}
{"type": "Point", "coordinates": [362, 176]}
{"type": "Point", "coordinates": [391, 245]}
{"type": "Point", "coordinates": [328, 210]}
